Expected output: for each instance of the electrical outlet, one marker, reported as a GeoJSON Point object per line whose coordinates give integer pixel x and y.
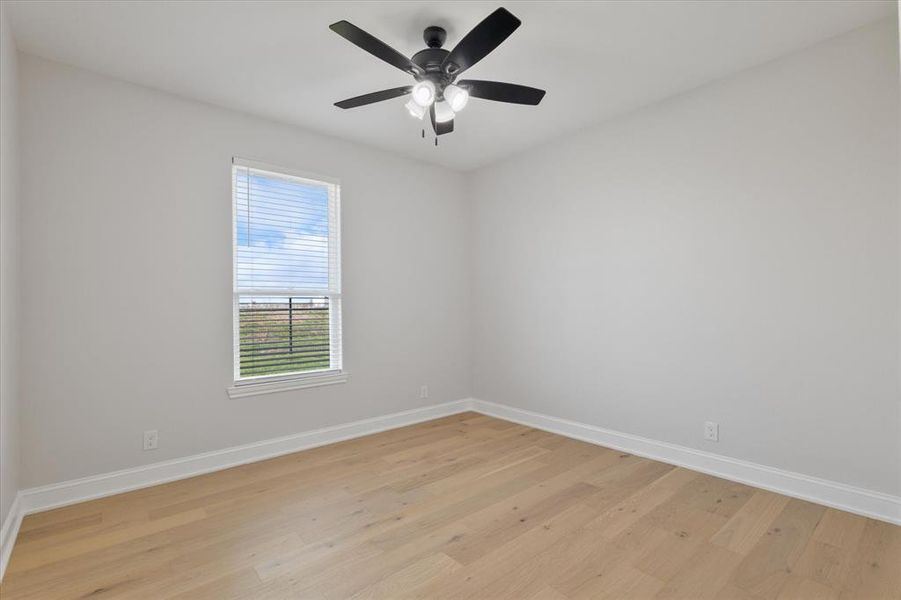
{"type": "Point", "coordinates": [151, 439]}
{"type": "Point", "coordinates": [423, 392]}
{"type": "Point", "coordinates": [711, 431]}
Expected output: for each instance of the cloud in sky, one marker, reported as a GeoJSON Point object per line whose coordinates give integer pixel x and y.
{"type": "Point", "coordinates": [281, 233]}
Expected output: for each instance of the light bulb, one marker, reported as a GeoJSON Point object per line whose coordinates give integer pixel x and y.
{"type": "Point", "coordinates": [424, 93]}
{"type": "Point", "coordinates": [456, 96]}
{"type": "Point", "coordinates": [443, 112]}
{"type": "Point", "coordinates": [415, 109]}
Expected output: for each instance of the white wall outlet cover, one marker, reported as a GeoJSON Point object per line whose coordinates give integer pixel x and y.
{"type": "Point", "coordinates": [423, 392]}
{"type": "Point", "coordinates": [711, 431]}
{"type": "Point", "coordinates": [151, 439]}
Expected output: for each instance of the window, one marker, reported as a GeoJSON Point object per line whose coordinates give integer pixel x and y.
{"type": "Point", "coordinates": [287, 280]}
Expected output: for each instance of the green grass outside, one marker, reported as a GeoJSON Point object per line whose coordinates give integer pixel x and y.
{"type": "Point", "coordinates": [271, 343]}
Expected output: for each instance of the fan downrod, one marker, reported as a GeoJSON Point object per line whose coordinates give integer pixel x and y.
{"type": "Point", "coordinates": [434, 36]}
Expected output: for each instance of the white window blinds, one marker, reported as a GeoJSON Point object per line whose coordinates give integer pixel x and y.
{"type": "Point", "coordinates": [287, 283]}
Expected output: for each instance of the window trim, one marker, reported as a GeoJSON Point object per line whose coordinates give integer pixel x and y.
{"type": "Point", "coordinates": [285, 383]}
{"type": "Point", "coordinates": [266, 384]}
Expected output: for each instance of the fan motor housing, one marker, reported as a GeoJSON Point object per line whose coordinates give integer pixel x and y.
{"type": "Point", "coordinates": [431, 60]}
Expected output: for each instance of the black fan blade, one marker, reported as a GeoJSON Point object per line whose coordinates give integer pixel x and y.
{"type": "Point", "coordinates": [374, 97]}
{"type": "Point", "coordinates": [502, 92]}
{"type": "Point", "coordinates": [374, 46]}
{"type": "Point", "coordinates": [440, 128]}
{"type": "Point", "coordinates": [484, 37]}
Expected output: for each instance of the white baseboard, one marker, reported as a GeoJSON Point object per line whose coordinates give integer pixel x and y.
{"type": "Point", "coordinates": [856, 500]}
{"type": "Point", "coordinates": [830, 493]}
{"type": "Point", "coordinates": [47, 497]}
{"type": "Point", "coordinates": [10, 530]}
{"type": "Point", "coordinates": [107, 484]}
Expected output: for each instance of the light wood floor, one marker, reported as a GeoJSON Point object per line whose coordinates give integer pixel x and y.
{"type": "Point", "coordinates": [465, 506]}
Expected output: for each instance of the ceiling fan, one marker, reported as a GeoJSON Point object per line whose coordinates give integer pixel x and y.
{"type": "Point", "coordinates": [435, 70]}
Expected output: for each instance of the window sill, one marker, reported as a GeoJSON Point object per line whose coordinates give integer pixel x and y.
{"type": "Point", "coordinates": [241, 389]}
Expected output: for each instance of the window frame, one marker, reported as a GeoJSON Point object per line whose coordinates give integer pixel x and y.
{"type": "Point", "coordinates": [264, 384]}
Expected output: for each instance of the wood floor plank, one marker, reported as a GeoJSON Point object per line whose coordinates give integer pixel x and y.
{"type": "Point", "coordinates": [824, 563]}
{"type": "Point", "coordinates": [874, 571]}
{"type": "Point", "coordinates": [617, 519]}
{"type": "Point", "coordinates": [25, 562]}
{"type": "Point", "coordinates": [514, 518]}
{"type": "Point", "coordinates": [751, 522]}
{"type": "Point", "coordinates": [506, 558]}
{"type": "Point", "coordinates": [799, 588]}
{"type": "Point", "coordinates": [685, 519]}
{"type": "Point", "coordinates": [705, 573]}
{"type": "Point", "coordinates": [623, 582]}
{"type": "Point", "coordinates": [766, 567]}
{"type": "Point", "coordinates": [402, 583]}
{"type": "Point", "coordinates": [624, 478]}
{"type": "Point", "coordinates": [547, 593]}
{"type": "Point", "coordinates": [665, 559]}
{"type": "Point", "coordinates": [571, 562]}
{"type": "Point", "coordinates": [466, 506]}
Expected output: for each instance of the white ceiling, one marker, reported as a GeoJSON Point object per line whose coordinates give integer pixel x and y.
{"type": "Point", "coordinates": [280, 60]}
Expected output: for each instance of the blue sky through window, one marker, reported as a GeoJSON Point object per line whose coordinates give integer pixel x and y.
{"type": "Point", "coordinates": [281, 232]}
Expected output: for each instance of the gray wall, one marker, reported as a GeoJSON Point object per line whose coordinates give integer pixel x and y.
{"type": "Point", "coordinates": [9, 271]}
{"type": "Point", "coordinates": [731, 254]}
{"type": "Point", "coordinates": [126, 246]}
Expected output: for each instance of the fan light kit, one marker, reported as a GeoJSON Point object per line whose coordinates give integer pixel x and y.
{"type": "Point", "coordinates": [435, 70]}
{"type": "Point", "coordinates": [456, 96]}
{"type": "Point", "coordinates": [416, 110]}
{"type": "Point", "coordinates": [424, 93]}
{"type": "Point", "coordinates": [443, 112]}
